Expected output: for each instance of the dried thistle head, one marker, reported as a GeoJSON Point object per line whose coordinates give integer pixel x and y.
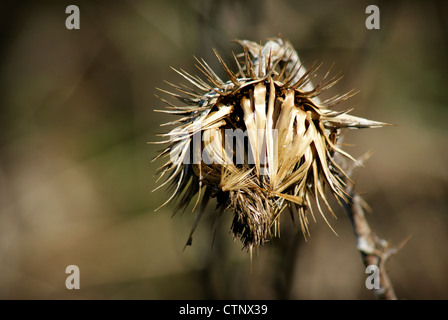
{"type": "Point", "coordinates": [259, 142]}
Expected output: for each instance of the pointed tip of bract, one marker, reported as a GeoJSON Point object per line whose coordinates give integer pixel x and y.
{"type": "Point", "coordinates": [353, 122]}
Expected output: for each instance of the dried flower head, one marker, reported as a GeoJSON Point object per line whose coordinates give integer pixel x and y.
{"type": "Point", "coordinates": [259, 143]}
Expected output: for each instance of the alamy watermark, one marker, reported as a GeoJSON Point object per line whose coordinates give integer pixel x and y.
{"type": "Point", "coordinates": [373, 280]}
{"type": "Point", "coordinates": [73, 20]}
{"type": "Point", "coordinates": [226, 146]}
{"type": "Point", "coordinates": [373, 20]}
{"type": "Point", "coordinates": [73, 280]}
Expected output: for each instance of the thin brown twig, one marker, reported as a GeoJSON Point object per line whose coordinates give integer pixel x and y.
{"type": "Point", "coordinates": [374, 251]}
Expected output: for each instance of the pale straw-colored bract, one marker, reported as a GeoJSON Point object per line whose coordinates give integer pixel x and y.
{"type": "Point", "coordinates": [286, 157]}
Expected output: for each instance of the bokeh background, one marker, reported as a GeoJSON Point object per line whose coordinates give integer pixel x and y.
{"type": "Point", "coordinates": [76, 177]}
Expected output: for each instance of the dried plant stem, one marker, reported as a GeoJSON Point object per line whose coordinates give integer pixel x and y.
{"type": "Point", "coordinates": [367, 244]}
{"type": "Point", "coordinates": [374, 251]}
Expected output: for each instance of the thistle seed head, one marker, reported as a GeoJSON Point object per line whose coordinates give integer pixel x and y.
{"type": "Point", "coordinates": [260, 142]}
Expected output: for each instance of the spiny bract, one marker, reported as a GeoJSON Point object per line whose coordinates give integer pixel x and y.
{"type": "Point", "coordinates": [286, 157]}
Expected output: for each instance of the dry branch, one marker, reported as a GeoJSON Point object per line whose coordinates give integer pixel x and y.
{"type": "Point", "coordinates": [374, 251]}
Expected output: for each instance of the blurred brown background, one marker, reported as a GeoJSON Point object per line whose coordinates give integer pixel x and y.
{"type": "Point", "coordinates": [76, 173]}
